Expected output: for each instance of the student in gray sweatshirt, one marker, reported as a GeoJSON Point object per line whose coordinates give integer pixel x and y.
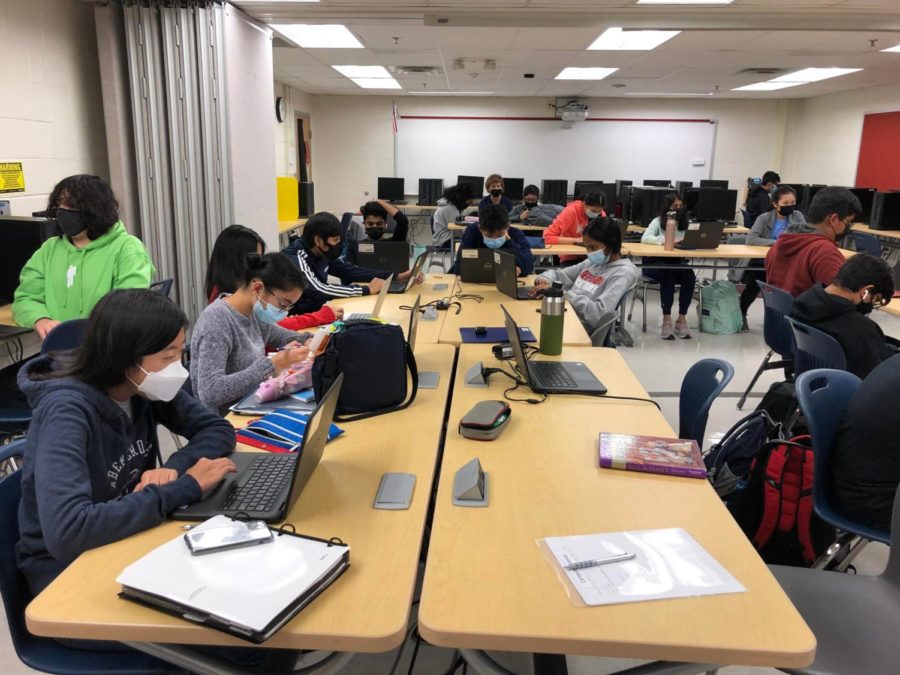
{"type": "Point", "coordinates": [456, 199]}
{"type": "Point", "coordinates": [595, 286]}
{"type": "Point", "coordinates": [228, 346]}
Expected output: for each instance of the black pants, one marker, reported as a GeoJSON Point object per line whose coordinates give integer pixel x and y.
{"type": "Point", "coordinates": [667, 279]}
{"type": "Point", "coordinates": [751, 288]}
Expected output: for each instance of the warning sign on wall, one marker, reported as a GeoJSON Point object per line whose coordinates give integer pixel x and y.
{"type": "Point", "coordinates": [12, 178]}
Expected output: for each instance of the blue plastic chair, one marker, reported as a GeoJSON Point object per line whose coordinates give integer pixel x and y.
{"type": "Point", "coordinates": [824, 395]}
{"type": "Point", "coordinates": [815, 349]}
{"type": "Point", "coordinates": [44, 654]}
{"type": "Point", "coordinates": [66, 336]}
{"type": "Point", "coordinates": [702, 384]}
{"type": "Point", "coordinates": [164, 286]}
{"type": "Point", "coordinates": [776, 332]}
{"type": "Point", "coordinates": [746, 217]}
{"type": "Point", "coordinates": [866, 243]}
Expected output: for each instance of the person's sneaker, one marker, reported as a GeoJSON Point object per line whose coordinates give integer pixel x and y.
{"type": "Point", "coordinates": [744, 327]}
{"type": "Point", "coordinates": [666, 331]}
{"type": "Point", "coordinates": [682, 331]}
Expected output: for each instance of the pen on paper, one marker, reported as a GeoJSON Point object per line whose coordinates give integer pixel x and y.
{"type": "Point", "coordinates": [584, 564]}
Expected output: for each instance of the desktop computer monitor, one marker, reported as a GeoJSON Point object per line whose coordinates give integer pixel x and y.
{"type": "Point", "coordinates": [554, 191]}
{"type": "Point", "coordinates": [681, 186]}
{"type": "Point", "coordinates": [865, 197]}
{"type": "Point", "coordinates": [657, 183]}
{"type": "Point", "coordinates": [720, 184]}
{"type": "Point", "coordinates": [620, 186]}
{"type": "Point", "coordinates": [645, 203]}
{"type": "Point", "coordinates": [390, 189]}
{"type": "Point", "coordinates": [513, 188]}
{"type": "Point", "coordinates": [21, 237]}
{"type": "Point", "coordinates": [476, 181]}
{"type": "Point", "coordinates": [802, 192]}
{"type": "Point", "coordinates": [885, 211]}
{"type": "Point", "coordinates": [608, 190]}
{"type": "Point", "coordinates": [716, 204]}
{"type": "Point", "coordinates": [430, 190]}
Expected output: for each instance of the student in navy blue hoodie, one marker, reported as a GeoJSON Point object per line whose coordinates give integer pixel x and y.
{"type": "Point", "coordinates": [90, 474]}
{"type": "Point", "coordinates": [493, 231]}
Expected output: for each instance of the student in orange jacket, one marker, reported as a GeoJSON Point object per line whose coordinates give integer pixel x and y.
{"type": "Point", "coordinates": [569, 224]}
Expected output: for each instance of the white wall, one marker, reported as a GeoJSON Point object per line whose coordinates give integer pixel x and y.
{"type": "Point", "coordinates": [354, 144]}
{"type": "Point", "coordinates": [52, 113]}
{"type": "Point", "coordinates": [823, 134]}
{"type": "Point", "coordinates": [297, 102]}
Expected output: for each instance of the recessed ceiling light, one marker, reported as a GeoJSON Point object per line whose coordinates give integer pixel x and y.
{"type": "Point", "coordinates": [584, 73]}
{"type": "Point", "coordinates": [814, 74]}
{"type": "Point", "coordinates": [767, 86]}
{"type": "Point", "coordinates": [363, 71]}
{"type": "Point", "coordinates": [895, 48]}
{"type": "Point", "coordinates": [632, 40]}
{"type": "Point", "coordinates": [451, 93]}
{"type": "Point", "coordinates": [684, 2]}
{"type": "Point", "coordinates": [318, 36]}
{"type": "Point", "coordinates": [376, 82]}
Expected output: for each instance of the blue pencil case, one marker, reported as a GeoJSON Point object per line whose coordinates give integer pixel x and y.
{"type": "Point", "coordinates": [495, 334]}
{"type": "Point", "coordinates": [279, 431]}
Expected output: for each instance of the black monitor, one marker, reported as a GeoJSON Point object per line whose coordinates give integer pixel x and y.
{"type": "Point", "coordinates": [711, 183]}
{"type": "Point", "coordinates": [885, 211]}
{"type": "Point", "coordinates": [390, 189]}
{"type": "Point", "coordinates": [476, 181]}
{"type": "Point", "coordinates": [682, 185]}
{"type": "Point", "coordinates": [645, 203]}
{"type": "Point", "coordinates": [657, 183]}
{"type": "Point", "coordinates": [554, 191]}
{"type": "Point", "coordinates": [620, 185]}
{"type": "Point", "coordinates": [21, 237]}
{"type": "Point", "coordinates": [582, 187]}
{"type": "Point", "coordinates": [811, 191]}
{"type": "Point", "coordinates": [608, 190]}
{"type": "Point", "coordinates": [430, 190]}
{"type": "Point", "coordinates": [802, 192]}
{"type": "Point", "coordinates": [513, 188]}
{"type": "Point", "coordinates": [716, 204]}
{"type": "Point", "coordinates": [865, 197]}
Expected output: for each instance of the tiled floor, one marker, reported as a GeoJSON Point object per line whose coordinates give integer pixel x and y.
{"type": "Point", "coordinates": [660, 366]}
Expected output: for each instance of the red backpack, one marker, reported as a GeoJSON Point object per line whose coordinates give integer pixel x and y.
{"type": "Point", "coordinates": [774, 506]}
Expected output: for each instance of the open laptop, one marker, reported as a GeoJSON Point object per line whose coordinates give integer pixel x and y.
{"type": "Point", "coordinates": [267, 485]}
{"type": "Point", "coordinates": [403, 286]}
{"type": "Point", "coordinates": [382, 294]}
{"type": "Point", "coordinates": [703, 235]}
{"type": "Point", "coordinates": [476, 265]}
{"type": "Point", "coordinates": [551, 377]}
{"type": "Point", "coordinates": [505, 276]}
{"type": "Point", "coordinates": [427, 379]}
{"type": "Point", "coordinates": [392, 256]}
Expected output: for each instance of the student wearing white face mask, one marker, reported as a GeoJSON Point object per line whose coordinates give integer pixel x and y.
{"type": "Point", "coordinates": [228, 346]}
{"type": "Point", "coordinates": [569, 225]}
{"type": "Point", "coordinates": [90, 474]}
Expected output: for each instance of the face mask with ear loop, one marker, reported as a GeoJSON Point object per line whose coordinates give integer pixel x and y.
{"type": "Point", "coordinates": [162, 385]}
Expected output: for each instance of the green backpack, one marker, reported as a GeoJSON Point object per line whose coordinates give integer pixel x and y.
{"type": "Point", "coordinates": [720, 309]}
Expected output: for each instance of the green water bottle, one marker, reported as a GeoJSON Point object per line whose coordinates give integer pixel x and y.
{"type": "Point", "coordinates": [553, 309]}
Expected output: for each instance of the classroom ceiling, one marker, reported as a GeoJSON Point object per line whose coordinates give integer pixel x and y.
{"type": "Point", "coordinates": [489, 47]}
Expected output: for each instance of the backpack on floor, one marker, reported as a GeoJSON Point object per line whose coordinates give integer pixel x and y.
{"type": "Point", "coordinates": [781, 403]}
{"type": "Point", "coordinates": [728, 462]}
{"type": "Point", "coordinates": [720, 309]}
{"type": "Point", "coordinates": [775, 508]}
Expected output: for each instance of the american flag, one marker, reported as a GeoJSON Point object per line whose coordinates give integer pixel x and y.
{"type": "Point", "coordinates": [395, 115]}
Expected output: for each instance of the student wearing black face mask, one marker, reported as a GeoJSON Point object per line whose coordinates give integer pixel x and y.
{"type": "Point", "coordinates": [494, 186]}
{"type": "Point", "coordinates": [375, 226]}
{"type": "Point", "coordinates": [531, 211]}
{"type": "Point", "coordinates": [841, 308]}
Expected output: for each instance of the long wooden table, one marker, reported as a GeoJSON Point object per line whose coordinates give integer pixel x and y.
{"type": "Point", "coordinates": [6, 316]}
{"type": "Point", "coordinates": [488, 586]}
{"type": "Point", "coordinates": [366, 610]}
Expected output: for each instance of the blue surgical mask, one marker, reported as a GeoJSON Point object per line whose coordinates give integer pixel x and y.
{"type": "Point", "coordinates": [496, 242]}
{"type": "Point", "coordinates": [598, 257]}
{"type": "Point", "coordinates": [268, 313]}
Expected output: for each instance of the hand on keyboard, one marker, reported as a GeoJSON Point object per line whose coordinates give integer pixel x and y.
{"type": "Point", "coordinates": [210, 472]}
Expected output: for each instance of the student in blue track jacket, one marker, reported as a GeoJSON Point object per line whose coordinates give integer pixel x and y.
{"type": "Point", "coordinates": [90, 474]}
{"type": "Point", "coordinates": [493, 231]}
{"type": "Point", "coordinates": [317, 254]}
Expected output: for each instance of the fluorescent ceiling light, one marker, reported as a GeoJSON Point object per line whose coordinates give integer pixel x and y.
{"type": "Point", "coordinates": [632, 40]}
{"type": "Point", "coordinates": [584, 73]}
{"type": "Point", "coordinates": [767, 86]}
{"type": "Point", "coordinates": [451, 93]}
{"type": "Point", "coordinates": [318, 36]}
{"type": "Point", "coordinates": [376, 82]}
{"type": "Point", "coordinates": [673, 93]}
{"type": "Point", "coordinates": [814, 75]}
{"type": "Point", "coordinates": [684, 2]}
{"type": "Point", "coordinates": [895, 48]}
{"type": "Point", "coordinates": [363, 71]}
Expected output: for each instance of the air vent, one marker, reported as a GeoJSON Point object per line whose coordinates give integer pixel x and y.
{"type": "Point", "coordinates": [762, 71]}
{"type": "Point", "coordinates": [408, 71]}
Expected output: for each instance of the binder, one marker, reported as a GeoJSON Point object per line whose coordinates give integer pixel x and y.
{"type": "Point", "coordinates": [249, 593]}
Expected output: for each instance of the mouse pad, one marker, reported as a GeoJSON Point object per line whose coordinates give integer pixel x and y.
{"type": "Point", "coordinates": [495, 334]}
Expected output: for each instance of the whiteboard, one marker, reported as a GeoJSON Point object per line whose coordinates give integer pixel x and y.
{"type": "Point", "coordinates": [536, 150]}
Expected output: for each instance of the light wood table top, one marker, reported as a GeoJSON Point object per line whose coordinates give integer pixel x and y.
{"type": "Point", "coordinates": [721, 252]}
{"type": "Point", "coordinates": [285, 226]}
{"type": "Point", "coordinates": [526, 314]}
{"type": "Point", "coordinates": [427, 332]}
{"type": "Point", "coordinates": [886, 234]}
{"type": "Point", "coordinates": [559, 249]}
{"type": "Point", "coordinates": [366, 610]}
{"type": "Point", "coordinates": [488, 586]}
{"type": "Point", "coordinates": [893, 307]}
{"type": "Point", "coordinates": [6, 315]}
{"type": "Point", "coordinates": [729, 229]}
{"type": "Point", "coordinates": [458, 227]}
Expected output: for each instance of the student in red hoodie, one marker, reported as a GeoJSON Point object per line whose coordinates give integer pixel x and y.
{"type": "Point", "coordinates": [808, 253]}
{"type": "Point", "coordinates": [569, 224]}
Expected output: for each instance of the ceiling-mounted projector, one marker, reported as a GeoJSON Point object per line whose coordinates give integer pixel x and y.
{"type": "Point", "coordinates": [572, 111]}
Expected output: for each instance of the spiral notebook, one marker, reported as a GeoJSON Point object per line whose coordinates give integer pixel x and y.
{"type": "Point", "coordinates": [219, 590]}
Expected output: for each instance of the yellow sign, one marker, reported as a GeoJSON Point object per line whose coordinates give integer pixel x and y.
{"type": "Point", "coordinates": [12, 178]}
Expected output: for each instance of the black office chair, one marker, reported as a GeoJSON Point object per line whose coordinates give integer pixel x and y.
{"type": "Point", "coordinates": [164, 286]}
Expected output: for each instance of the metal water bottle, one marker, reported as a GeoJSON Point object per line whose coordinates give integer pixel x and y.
{"type": "Point", "coordinates": [552, 316]}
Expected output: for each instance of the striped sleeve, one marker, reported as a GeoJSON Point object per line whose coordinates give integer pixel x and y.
{"type": "Point", "coordinates": [331, 290]}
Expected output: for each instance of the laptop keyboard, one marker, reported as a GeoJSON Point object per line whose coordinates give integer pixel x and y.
{"type": "Point", "coordinates": [549, 374]}
{"type": "Point", "coordinates": [357, 317]}
{"type": "Point", "coordinates": [264, 482]}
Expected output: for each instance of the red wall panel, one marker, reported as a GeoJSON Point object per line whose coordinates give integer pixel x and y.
{"type": "Point", "coordinates": [879, 152]}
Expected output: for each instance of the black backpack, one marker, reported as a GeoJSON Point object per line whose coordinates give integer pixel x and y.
{"type": "Point", "coordinates": [728, 461]}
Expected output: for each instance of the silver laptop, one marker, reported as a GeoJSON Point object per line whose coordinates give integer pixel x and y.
{"type": "Point", "coordinates": [551, 377]}
{"type": "Point", "coordinates": [267, 485]}
{"type": "Point", "coordinates": [382, 294]}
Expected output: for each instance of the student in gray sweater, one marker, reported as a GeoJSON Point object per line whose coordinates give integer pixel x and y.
{"type": "Point", "coordinates": [228, 347]}
{"type": "Point", "coordinates": [595, 286]}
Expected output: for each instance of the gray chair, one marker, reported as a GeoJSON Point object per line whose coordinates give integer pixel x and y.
{"type": "Point", "coordinates": [855, 618]}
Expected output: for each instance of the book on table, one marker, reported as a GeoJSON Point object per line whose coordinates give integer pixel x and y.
{"type": "Point", "coordinates": [652, 454]}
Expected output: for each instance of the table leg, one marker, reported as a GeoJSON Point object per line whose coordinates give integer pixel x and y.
{"type": "Point", "coordinates": [550, 664]}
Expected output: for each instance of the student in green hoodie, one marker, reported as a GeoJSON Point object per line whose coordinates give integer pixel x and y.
{"type": "Point", "coordinates": [92, 255]}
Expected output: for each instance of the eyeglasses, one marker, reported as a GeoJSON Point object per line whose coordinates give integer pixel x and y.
{"type": "Point", "coordinates": [283, 303]}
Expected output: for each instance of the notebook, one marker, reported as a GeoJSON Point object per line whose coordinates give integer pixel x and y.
{"type": "Point", "coordinates": [671, 456]}
{"type": "Point", "coordinates": [219, 591]}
